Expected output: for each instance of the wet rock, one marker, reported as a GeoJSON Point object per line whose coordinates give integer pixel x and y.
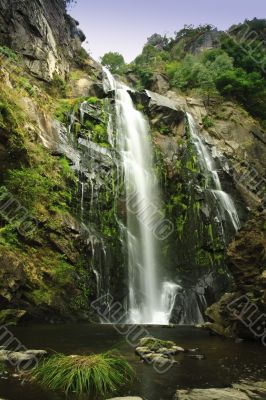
{"type": "Point", "coordinates": [156, 351]}
{"type": "Point", "coordinates": [37, 353]}
{"type": "Point", "coordinates": [196, 356]}
{"type": "Point", "coordinates": [126, 398]}
{"type": "Point", "coordinates": [21, 356]}
{"type": "Point", "coordinates": [210, 394]}
{"type": "Point", "coordinates": [246, 261]}
{"type": "Point", "coordinates": [243, 391]}
{"type": "Point", "coordinates": [165, 114]}
{"type": "Point", "coordinates": [10, 316]}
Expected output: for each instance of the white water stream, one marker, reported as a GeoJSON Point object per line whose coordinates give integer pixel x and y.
{"type": "Point", "coordinates": [150, 300]}
{"type": "Point", "coordinates": [225, 202]}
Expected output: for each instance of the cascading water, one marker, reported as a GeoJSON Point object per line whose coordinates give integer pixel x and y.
{"type": "Point", "coordinates": [150, 300]}
{"type": "Point", "coordinates": [213, 185]}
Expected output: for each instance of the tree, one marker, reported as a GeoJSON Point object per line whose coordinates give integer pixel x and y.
{"type": "Point", "coordinates": [158, 41]}
{"type": "Point", "coordinates": [114, 62]}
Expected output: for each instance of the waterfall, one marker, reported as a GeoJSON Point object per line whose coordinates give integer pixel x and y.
{"type": "Point", "coordinates": [225, 203]}
{"type": "Point", "coordinates": [150, 299]}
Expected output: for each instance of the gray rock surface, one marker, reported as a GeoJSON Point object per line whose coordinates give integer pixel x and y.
{"type": "Point", "coordinates": [244, 391]}
{"type": "Point", "coordinates": [42, 32]}
{"type": "Point", "coordinates": [126, 398]}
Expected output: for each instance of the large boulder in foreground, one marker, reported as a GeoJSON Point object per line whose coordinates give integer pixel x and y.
{"type": "Point", "coordinates": [245, 391]}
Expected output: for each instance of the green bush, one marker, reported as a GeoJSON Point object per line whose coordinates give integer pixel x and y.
{"type": "Point", "coordinates": [207, 122]}
{"type": "Point", "coordinates": [58, 87]}
{"type": "Point", "coordinates": [96, 375]}
{"type": "Point", "coordinates": [6, 51]}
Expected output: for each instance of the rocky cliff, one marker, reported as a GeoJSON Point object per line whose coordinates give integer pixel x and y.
{"type": "Point", "coordinates": [59, 174]}
{"type": "Point", "coordinates": [43, 34]}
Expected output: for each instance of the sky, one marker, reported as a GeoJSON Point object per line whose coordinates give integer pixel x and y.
{"type": "Point", "coordinates": [124, 25]}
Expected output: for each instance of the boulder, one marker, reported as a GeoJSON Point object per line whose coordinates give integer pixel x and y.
{"type": "Point", "coordinates": [21, 356]}
{"type": "Point", "coordinates": [126, 398]}
{"type": "Point", "coordinates": [242, 391]}
{"type": "Point", "coordinates": [210, 394]}
{"type": "Point", "coordinates": [157, 352]}
{"type": "Point", "coordinates": [164, 114]}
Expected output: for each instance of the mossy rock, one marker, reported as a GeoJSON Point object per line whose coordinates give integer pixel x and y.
{"type": "Point", "coordinates": [154, 344]}
{"type": "Point", "coordinates": [11, 316]}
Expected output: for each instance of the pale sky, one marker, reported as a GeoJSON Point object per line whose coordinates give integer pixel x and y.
{"type": "Point", "coordinates": [124, 25]}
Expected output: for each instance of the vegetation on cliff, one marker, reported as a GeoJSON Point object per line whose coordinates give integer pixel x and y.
{"type": "Point", "coordinates": [210, 63]}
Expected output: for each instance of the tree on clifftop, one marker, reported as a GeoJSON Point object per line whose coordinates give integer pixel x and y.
{"type": "Point", "coordinates": [114, 62]}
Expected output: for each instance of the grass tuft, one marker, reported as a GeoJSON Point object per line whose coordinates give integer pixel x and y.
{"type": "Point", "coordinates": [98, 374]}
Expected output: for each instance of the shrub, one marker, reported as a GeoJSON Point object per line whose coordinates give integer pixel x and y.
{"type": "Point", "coordinates": [6, 51]}
{"type": "Point", "coordinates": [98, 374]}
{"type": "Point", "coordinates": [207, 122]}
{"type": "Point", "coordinates": [58, 87]}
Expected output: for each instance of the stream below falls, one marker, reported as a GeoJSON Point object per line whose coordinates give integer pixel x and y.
{"type": "Point", "coordinates": [225, 362]}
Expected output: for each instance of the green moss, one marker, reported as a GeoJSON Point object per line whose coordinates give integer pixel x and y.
{"type": "Point", "coordinates": [25, 84]}
{"type": "Point", "coordinates": [11, 316]}
{"type": "Point", "coordinates": [93, 100]}
{"type": "Point", "coordinates": [57, 87]}
{"type": "Point", "coordinates": [9, 235]}
{"type": "Point", "coordinates": [155, 344]}
{"type": "Point", "coordinates": [12, 120]}
{"type": "Point", "coordinates": [140, 107]}
{"type": "Point", "coordinates": [9, 53]}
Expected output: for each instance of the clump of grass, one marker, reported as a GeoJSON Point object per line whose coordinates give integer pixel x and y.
{"type": "Point", "coordinates": [98, 374]}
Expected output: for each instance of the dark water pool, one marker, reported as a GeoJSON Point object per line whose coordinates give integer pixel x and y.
{"type": "Point", "coordinates": [225, 362]}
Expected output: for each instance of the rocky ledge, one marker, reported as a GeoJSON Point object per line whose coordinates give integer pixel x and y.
{"type": "Point", "coordinates": [243, 391]}
{"type": "Point", "coordinates": [242, 312]}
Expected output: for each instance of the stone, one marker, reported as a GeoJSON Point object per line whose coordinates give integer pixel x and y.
{"type": "Point", "coordinates": [42, 33]}
{"type": "Point", "coordinates": [142, 351]}
{"type": "Point", "coordinates": [246, 261]}
{"type": "Point", "coordinates": [242, 391]}
{"type": "Point", "coordinates": [10, 316]}
{"type": "Point", "coordinates": [37, 353]}
{"type": "Point", "coordinates": [21, 356]}
{"type": "Point", "coordinates": [163, 112]}
{"type": "Point", "coordinates": [210, 394]}
{"type": "Point", "coordinates": [196, 356]}
{"type": "Point", "coordinates": [126, 398]}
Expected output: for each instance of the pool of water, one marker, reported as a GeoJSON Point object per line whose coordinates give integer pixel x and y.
{"type": "Point", "coordinates": [225, 362]}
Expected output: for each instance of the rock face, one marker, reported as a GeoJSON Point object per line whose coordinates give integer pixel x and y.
{"type": "Point", "coordinates": [42, 33]}
{"type": "Point", "coordinates": [245, 391]}
{"type": "Point", "coordinates": [242, 312]}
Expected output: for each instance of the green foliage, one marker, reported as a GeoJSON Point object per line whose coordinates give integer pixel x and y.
{"type": "Point", "coordinates": [8, 235]}
{"type": "Point", "coordinates": [58, 87]}
{"type": "Point", "coordinates": [25, 84]}
{"type": "Point", "coordinates": [114, 62]}
{"type": "Point", "coordinates": [233, 70]}
{"type": "Point", "coordinates": [207, 122]}
{"type": "Point", "coordinates": [12, 121]}
{"type": "Point", "coordinates": [9, 53]}
{"type": "Point", "coordinates": [154, 344]}
{"type": "Point", "coordinates": [92, 100]}
{"type": "Point", "coordinates": [44, 188]}
{"type": "Point", "coordinates": [94, 375]}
